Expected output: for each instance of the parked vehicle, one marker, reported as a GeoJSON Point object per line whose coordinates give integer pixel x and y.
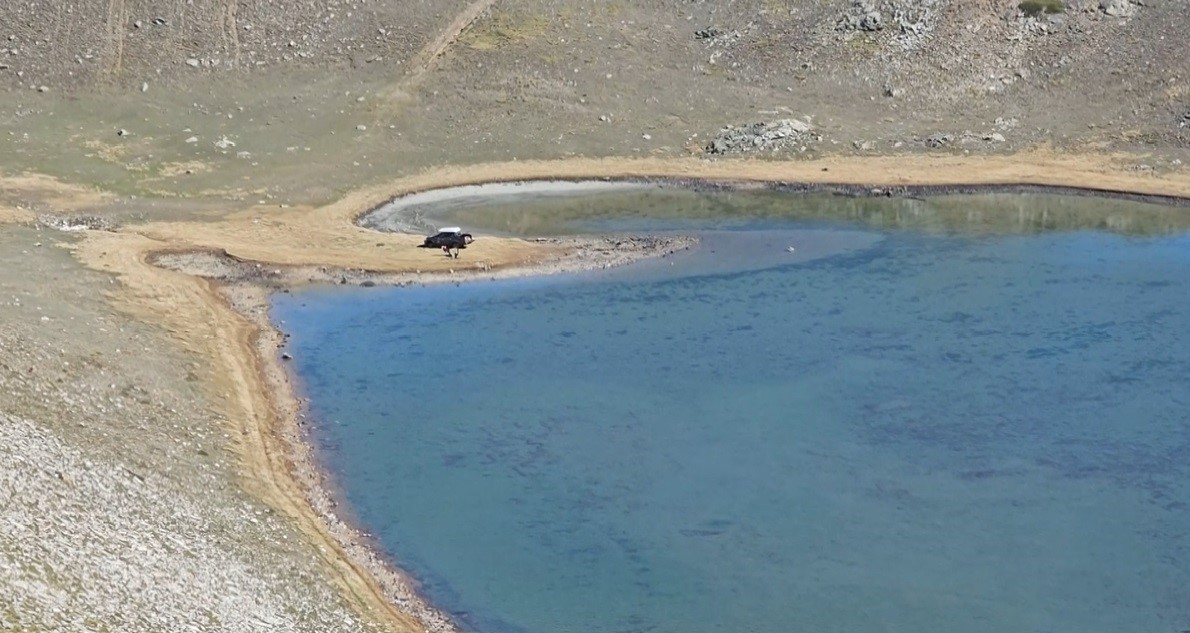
{"type": "Point", "coordinates": [451, 238]}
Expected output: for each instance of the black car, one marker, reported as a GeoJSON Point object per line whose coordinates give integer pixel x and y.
{"type": "Point", "coordinates": [448, 238]}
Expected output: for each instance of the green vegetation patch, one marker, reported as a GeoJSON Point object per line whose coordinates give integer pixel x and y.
{"type": "Point", "coordinates": [1034, 8]}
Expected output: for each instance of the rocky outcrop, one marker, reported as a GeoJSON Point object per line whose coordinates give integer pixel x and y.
{"type": "Point", "coordinates": [761, 136]}
{"type": "Point", "coordinates": [909, 22]}
{"type": "Point", "coordinates": [1118, 8]}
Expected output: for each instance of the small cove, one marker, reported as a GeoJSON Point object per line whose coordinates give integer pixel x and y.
{"type": "Point", "coordinates": [904, 425]}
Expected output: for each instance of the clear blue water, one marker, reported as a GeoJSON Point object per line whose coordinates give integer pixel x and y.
{"type": "Point", "coordinates": [901, 433]}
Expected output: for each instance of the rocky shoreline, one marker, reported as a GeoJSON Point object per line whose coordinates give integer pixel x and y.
{"type": "Point", "coordinates": [246, 286]}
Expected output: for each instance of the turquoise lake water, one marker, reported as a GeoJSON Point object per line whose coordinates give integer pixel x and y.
{"type": "Point", "coordinates": [885, 431]}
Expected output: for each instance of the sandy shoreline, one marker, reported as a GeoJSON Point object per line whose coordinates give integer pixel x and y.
{"type": "Point", "coordinates": [222, 315]}
{"type": "Point", "coordinates": [245, 288]}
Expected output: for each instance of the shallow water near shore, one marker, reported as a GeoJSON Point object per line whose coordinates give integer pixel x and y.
{"type": "Point", "coordinates": [884, 430]}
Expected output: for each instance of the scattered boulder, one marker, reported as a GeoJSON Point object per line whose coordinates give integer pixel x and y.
{"type": "Point", "coordinates": [939, 140]}
{"type": "Point", "coordinates": [1118, 8]}
{"type": "Point", "coordinates": [1006, 124]}
{"type": "Point", "coordinates": [71, 224]}
{"type": "Point", "coordinates": [871, 21]}
{"type": "Point", "coordinates": [761, 136]}
{"type": "Point", "coordinates": [909, 21]}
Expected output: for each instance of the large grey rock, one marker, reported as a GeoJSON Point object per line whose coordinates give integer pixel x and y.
{"type": "Point", "coordinates": [939, 140]}
{"type": "Point", "coordinates": [768, 135]}
{"type": "Point", "coordinates": [910, 22]}
{"type": "Point", "coordinates": [1118, 8]}
{"type": "Point", "coordinates": [871, 22]}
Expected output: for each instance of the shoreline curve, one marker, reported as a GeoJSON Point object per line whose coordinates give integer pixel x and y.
{"type": "Point", "coordinates": [245, 378]}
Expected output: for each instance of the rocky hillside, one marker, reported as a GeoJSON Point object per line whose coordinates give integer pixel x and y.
{"type": "Point", "coordinates": [538, 79]}
{"type": "Point", "coordinates": [955, 49]}
{"type": "Point", "coordinates": [549, 78]}
{"type": "Point", "coordinates": [71, 44]}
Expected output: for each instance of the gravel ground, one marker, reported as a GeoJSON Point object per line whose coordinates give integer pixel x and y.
{"type": "Point", "coordinates": [120, 507]}
{"type": "Point", "coordinates": [91, 543]}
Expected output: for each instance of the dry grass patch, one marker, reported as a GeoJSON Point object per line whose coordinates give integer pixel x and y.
{"type": "Point", "coordinates": [503, 29]}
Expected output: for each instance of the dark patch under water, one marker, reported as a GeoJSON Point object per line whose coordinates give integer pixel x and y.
{"type": "Point", "coordinates": [921, 433]}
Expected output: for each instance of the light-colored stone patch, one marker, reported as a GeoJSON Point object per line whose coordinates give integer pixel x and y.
{"type": "Point", "coordinates": [92, 544]}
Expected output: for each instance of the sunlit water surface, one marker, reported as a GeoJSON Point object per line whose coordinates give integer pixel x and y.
{"type": "Point", "coordinates": [885, 430]}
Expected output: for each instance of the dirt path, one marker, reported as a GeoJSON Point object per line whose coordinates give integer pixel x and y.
{"type": "Point", "coordinates": [327, 236]}
{"type": "Point", "coordinates": [9, 215]}
{"type": "Point", "coordinates": [231, 30]}
{"type": "Point", "coordinates": [194, 313]}
{"type": "Point", "coordinates": [117, 19]}
{"type": "Point", "coordinates": [425, 59]}
{"type": "Point", "coordinates": [35, 191]}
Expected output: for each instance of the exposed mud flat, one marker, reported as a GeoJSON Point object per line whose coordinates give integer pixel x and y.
{"type": "Point", "coordinates": [571, 254]}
